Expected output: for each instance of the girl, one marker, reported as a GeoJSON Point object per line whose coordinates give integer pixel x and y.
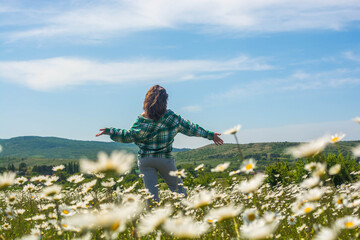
{"type": "Point", "coordinates": [154, 131]}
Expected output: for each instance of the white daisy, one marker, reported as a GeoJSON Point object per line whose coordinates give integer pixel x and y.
{"type": "Point", "coordinates": [309, 149]}
{"type": "Point", "coordinates": [221, 167]}
{"type": "Point", "coordinates": [248, 165]}
{"type": "Point", "coordinates": [233, 130]}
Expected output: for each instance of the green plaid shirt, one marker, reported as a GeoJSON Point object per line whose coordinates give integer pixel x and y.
{"type": "Point", "coordinates": [155, 138]}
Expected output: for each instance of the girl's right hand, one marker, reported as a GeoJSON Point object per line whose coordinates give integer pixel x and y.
{"type": "Point", "coordinates": [217, 140]}
{"type": "Point", "coordinates": [101, 133]}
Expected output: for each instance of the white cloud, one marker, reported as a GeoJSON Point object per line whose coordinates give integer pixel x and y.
{"type": "Point", "coordinates": [192, 108]}
{"type": "Point", "coordinates": [351, 56]}
{"type": "Point", "coordinates": [300, 80]}
{"type": "Point", "coordinates": [52, 73]}
{"type": "Point", "coordinates": [103, 19]}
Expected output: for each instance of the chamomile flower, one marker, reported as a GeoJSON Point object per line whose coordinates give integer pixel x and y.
{"type": "Point", "coordinates": [119, 162]}
{"type": "Point", "coordinates": [233, 130]}
{"type": "Point", "coordinates": [347, 222]}
{"type": "Point", "coordinates": [335, 169]}
{"type": "Point", "coordinates": [7, 179]}
{"type": "Point", "coordinates": [185, 227]}
{"type": "Point", "coordinates": [29, 188]}
{"type": "Point", "coordinates": [309, 149]}
{"type": "Point", "coordinates": [221, 167]}
{"type": "Point", "coordinates": [259, 229]}
{"type": "Point", "coordinates": [178, 173]}
{"type": "Point", "coordinates": [76, 178]}
{"type": "Point", "coordinates": [200, 167]}
{"type": "Point", "coordinates": [21, 180]}
{"type": "Point", "coordinates": [250, 215]}
{"type": "Point", "coordinates": [356, 151]}
{"type": "Point", "coordinates": [337, 137]}
{"type": "Point", "coordinates": [109, 183]}
{"type": "Point", "coordinates": [248, 165]}
{"type": "Point", "coordinates": [310, 182]}
{"type": "Point", "coordinates": [51, 192]}
{"type": "Point", "coordinates": [226, 212]}
{"type": "Point", "coordinates": [251, 185]}
{"type": "Point", "coordinates": [357, 120]}
{"type": "Point", "coordinates": [153, 221]}
{"type": "Point", "coordinates": [326, 234]}
{"type": "Point", "coordinates": [201, 199]}
{"type": "Point", "coordinates": [307, 208]}
{"type": "Point", "coordinates": [58, 168]}
{"type": "Point", "coordinates": [292, 220]}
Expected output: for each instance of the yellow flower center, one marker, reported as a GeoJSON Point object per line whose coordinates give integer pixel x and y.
{"type": "Point", "coordinates": [221, 167]}
{"type": "Point", "coordinates": [307, 210]}
{"type": "Point", "coordinates": [249, 166]}
{"type": "Point", "coordinates": [339, 201]}
{"type": "Point", "coordinates": [291, 219]}
{"type": "Point", "coordinates": [335, 139]}
{"type": "Point", "coordinates": [210, 221]}
{"type": "Point", "coordinates": [251, 217]}
{"type": "Point", "coordinates": [349, 224]}
{"type": "Point", "coordinates": [64, 225]}
{"type": "Point", "coordinates": [65, 212]}
{"type": "Point", "coordinates": [115, 226]}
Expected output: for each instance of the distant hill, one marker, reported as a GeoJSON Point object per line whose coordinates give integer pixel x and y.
{"type": "Point", "coordinates": [263, 153]}
{"type": "Point", "coordinates": [51, 151]}
{"type": "Point", "coordinates": [59, 148]}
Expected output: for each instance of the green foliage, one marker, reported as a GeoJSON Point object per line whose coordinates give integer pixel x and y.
{"type": "Point", "coordinates": [283, 172]}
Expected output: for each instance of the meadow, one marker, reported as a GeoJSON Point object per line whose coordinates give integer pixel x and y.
{"type": "Point", "coordinates": [318, 198]}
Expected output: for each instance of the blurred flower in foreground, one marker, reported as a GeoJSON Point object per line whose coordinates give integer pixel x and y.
{"type": "Point", "coordinates": [7, 179]}
{"type": "Point", "coordinates": [221, 167]}
{"type": "Point", "coordinates": [58, 168]}
{"type": "Point", "coordinates": [259, 229]}
{"type": "Point", "coordinates": [347, 222]}
{"type": "Point", "coordinates": [335, 169]}
{"type": "Point", "coordinates": [75, 178]}
{"type": "Point", "coordinates": [309, 149]}
{"type": "Point", "coordinates": [185, 227]}
{"type": "Point", "coordinates": [220, 214]}
{"type": "Point", "coordinates": [233, 130]}
{"type": "Point", "coordinates": [310, 182]}
{"type": "Point", "coordinates": [201, 199]}
{"type": "Point", "coordinates": [248, 165]}
{"type": "Point", "coordinates": [178, 173]}
{"type": "Point", "coordinates": [356, 151]}
{"type": "Point", "coordinates": [119, 162]}
{"type": "Point", "coordinates": [0, 148]}
{"type": "Point", "coordinates": [326, 234]}
{"type": "Point", "coordinates": [357, 119]}
{"type": "Point", "coordinates": [200, 167]}
{"type": "Point", "coordinates": [251, 185]}
{"type": "Point", "coordinates": [153, 221]}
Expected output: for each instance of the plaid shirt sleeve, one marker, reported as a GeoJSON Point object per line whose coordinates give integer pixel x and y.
{"type": "Point", "coordinates": [122, 135]}
{"type": "Point", "coordinates": [191, 129]}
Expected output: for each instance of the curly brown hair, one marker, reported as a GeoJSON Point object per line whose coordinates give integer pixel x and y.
{"type": "Point", "coordinates": [155, 102]}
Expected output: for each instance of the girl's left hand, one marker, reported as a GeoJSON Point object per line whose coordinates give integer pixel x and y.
{"type": "Point", "coordinates": [101, 133]}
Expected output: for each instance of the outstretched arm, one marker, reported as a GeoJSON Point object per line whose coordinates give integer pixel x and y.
{"type": "Point", "coordinates": [118, 135]}
{"type": "Point", "coordinates": [191, 129]}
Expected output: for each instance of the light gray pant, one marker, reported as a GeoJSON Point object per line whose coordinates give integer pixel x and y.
{"type": "Point", "coordinates": [149, 166]}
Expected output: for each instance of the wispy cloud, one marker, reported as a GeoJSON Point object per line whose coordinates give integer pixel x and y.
{"type": "Point", "coordinates": [192, 108]}
{"type": "Point", "coordinates": [300, 80]}
{"type": "Point", "coordinates": [48, 74]}
{"type": "Point", "coordinates": [352, 56]}
{"type": "Point", "coordinates": [103, 19]}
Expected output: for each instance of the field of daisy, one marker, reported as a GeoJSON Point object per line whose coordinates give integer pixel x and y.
{"type": "Point", "coordinates": [99, 203]}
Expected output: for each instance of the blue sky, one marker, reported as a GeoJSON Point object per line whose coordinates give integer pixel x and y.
{"type": "Point", "coordinates": [284, 70]}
